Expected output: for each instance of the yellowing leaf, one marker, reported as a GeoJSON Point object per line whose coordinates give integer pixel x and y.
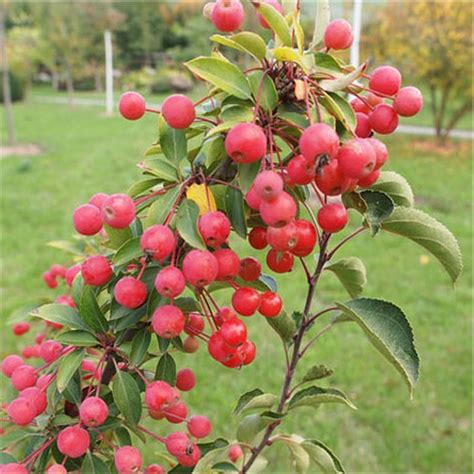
{"type": "Point", "coordinates": [203, 197]}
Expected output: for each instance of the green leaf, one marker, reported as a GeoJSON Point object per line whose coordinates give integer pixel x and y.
{"type": "Point", "coordinates": [205, 464]}
{"type": "Point", "coordinates": [317, 372]}
{"type": "Point", "coordinates": [19, 315]}
{"type": "Point", "coordinates": [90, 311]}
{"type": "Point", "coordinates": [68, 365]}
{"type": "Point", "coordinates": [186, 223]}
{"type": "Point", "coordinates": [321, 21]}
{"type": "Point", "coordinates": [299, 456]}
{"type": "Point", "coordinates": [326, 64]}
{"type": "Point", "coordinates": [235, 114]}
{"type": "Point", "coordinates": [117, 237]}
{"type": "Point", "coordinates": [430, 234]}
{"type": "Point", "coordinates": [339, 108]}
{"type": "Point", "coordinates": [396, 186]}
{"type": "Point", "coordinates": [159, 210]}
{"type": "Point", "coordinates": [234, 203]}
{"type": "Point", "coordinates": [129, 251]}
{"type": "Point", "coordinates": [268, 92]}
{"type": "Point", "coordinates": [379, 208]}
{"type": "Point", "coordinates": [341, 82]}
{"type": "Point", "coordinates": [7, 440]}
{"type": "Point", "coordinates": [155, 149]}
{"type": "Point", "coordinates": [163, 169]}
{"type": "Point", "coordinates": [247, 174]}
{"type": "Point", "coordinates": [127, 397]}
{"type": "Point", "coordinates": [140, 345]}
{"type": "Point", "coordinates": [283, 325]}
{"type": "Point", "coordinates": [245, 42]}
{"type": "Point", "coordinates": [313, 396]}
{"type": "Point", "coordinates": [255, 399]}
{"type": "Point", "coordinates": [166, 369]}
{"type": "Point", "coordinates": [251, 426]}
{"type": "Point", "coordinates": [222, 74]}
{"type": "Point", "coordinates": [276, 21]}
{"type": "Point", "coordinates": [6, 458]}
{"type": "Point", "coordinates": [173, 142]}
{"type": "Point", "coordinates": [323, 457]}
{"type": "Point", "coordinates": [141, 186]}
{"type": "Point", "coordinates": [94, 465]}
{"type": "Point", "coordinates": [76, 289]}
{"type": "Point", "coordinates": [351, 273]}
{"type": "Point", "coordinates": [61, 314]}
{"type": "Point", "coordinates": [77, 338]}
{"type": "Point", "coordinates": [389, 331]}
{"type": "Point", "coordinates": [285, 54]}
{"type": "Point", "coordinates": [76, 247]}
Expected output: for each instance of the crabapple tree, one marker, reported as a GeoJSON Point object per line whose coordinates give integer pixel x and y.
{"type": "Point", "coordinates": [280, 154]}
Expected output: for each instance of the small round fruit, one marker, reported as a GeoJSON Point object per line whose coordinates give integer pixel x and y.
{"type": "Point", "coordinates": [381, 152]}
{"type": "Point", "coordinates": [383, 119]}
{"type": "Point", "coordinates": [245, 301]}
{"type": "Point", "coordinates": [247, 352]}
{"type": "Point", "coordinates": [21, 411]}
{"type": "Point", "coordinates": [300, 170]}
{"type": "Point", "coordinates": [234, 332]}
{"type": "Point", "coordinates": [306, 238]}
{"type": "Point", "coordinates": [386, 80]}
{"type": "Point", "coordinates": [270, 304]}
{"type": "Point", "coordinates": [229, 264]}
{"type": "Point", "coordinates": [199, 426]}
{"type": "Point", "coordinates": [319, 140]}
{"type": "Point", "coordinates": [227, 15]}
{"type": "Point", "coordinates": [185, 380]}
{"type": "Point", "coordinates": [370, 179]}
{"type": "Point", "coordinates": [154, 469]}
{"type": "Point", "coordinates": [358, 105]}
{"type": "Point", "coordinates": [282, 238]}
{"type": "Point", "coordinates": [279, 212]}
{"type": "Point", "coordinates": [178, 111]}
{"type": "Point", "coordinates": [73, 441]}
{"type": "Point", "coordinates": [21, 328]}
{"type": "Point", "coordinates": [37, 397]}
{"type": "Point", "coordinates": [176, 413]}
{"type": "Point", "coordinates": [246, 143]}
{"type": "Point", "coordinates": [23, 377]}
{"type": "Point", "coordinates": [96, 270]}
{"type": "Point", "coordinates": [159, 394]}
{"type": "Point", "coordinates": [87, 219]}
{"type": "Point", "coordinates": [10, 363]}
{"type": "Point", "coordinates": [258, 238]}
{"type": "Point", "coordinates": [408, 101]}
{"type": "Point", "coordinates": [93, 411]}
{"type": "Point", "coordinates": [252, 199]}
{"type": "Point", "coordinates": [168, 321]}
{"type": "Point", "coordinates": [50, 350]}
{"type": "Point", "coordinates": [280, 262]}
{"type": "Point", "coordinates": [235, 452]}
{"type": "Point", "coordinates": [127, 460]}
{"type": "Point", "coordinates": [363, 129]}
{"type": "Point", "coordinates": [356, 158]}
{"type": "Point", "coordinates": [130, 292]}
{"type": "Point", "coordinates": [118, 211]}
{"type": "Point", "coordinates": [200, 267]}
{"type": "Point", "coordinates": [194, 324]}
{"type": "Point", "coordinates": [71, 273]}
{"type": "Point", "coordinates": [190, 345]}
{"type": "Point", "coordinates": [132, 105]}
{"type": "Point", "coordinates": [332, 217]}
{"type": "Point", "coordinates": [191, 457]}
{"type": "Point", "coordinates": [170, 282]}
{"type": "Point", "coordinates": [214, 228]}
{"type": "Point", "coordinates": [177, 443]}
{"type": "Point", "coordinates": [158, 241]}
{"type": "Point", "coordinates": [338, 35]}
{"type": "Point", "coordinates": [249, 269]}
{"type": "Point", "coordinates": [268, 185]}
{"type": "Point", "coordinates": [331, 180]}
{"type": "Point", "coordinates": [98, 200]}
{"type": "Point", "coordinates": [56, 469]}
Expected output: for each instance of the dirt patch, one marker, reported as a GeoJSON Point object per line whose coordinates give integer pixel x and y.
{"type": "Point", "coordinates": [20, 150]}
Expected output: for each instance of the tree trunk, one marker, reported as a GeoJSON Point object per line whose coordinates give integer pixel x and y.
{"type": "Point", "coordinates": [455, 117]}
{"type": "Point", "coordinates": [55, 79]}
{"type": "Point", "coordinates": [7, 98]}
{"type": "Point", "coordinates": [69, 84]}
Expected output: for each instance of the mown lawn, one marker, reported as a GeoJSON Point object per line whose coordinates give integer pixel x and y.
{"type": "Point", "coordinates": [85, 152]}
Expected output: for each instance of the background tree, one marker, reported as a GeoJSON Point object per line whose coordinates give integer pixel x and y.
{"type": "Point", "coordinates": [432, 43]}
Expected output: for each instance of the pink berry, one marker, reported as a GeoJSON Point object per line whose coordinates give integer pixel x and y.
{"type": "Point", "coordinates": [50, 350]}
{"type": "Point", "coordinates": [93, 411]}
{"type": "Point", "coordinates": [87, 219]}
{"type": "Point", "coordinates": [252, 199]}
{"type": "Point", "coordinates": [37, 397]}
{"type": "Point", "coordinates": [282, 238]}
{"type": "Point", "coordinates": [170, 282]}
{"type": "Point", "coordinates": [250, 269]}
{"type": "Point", "coordinates": [319, 140]}
{"type": "Point", "coordinates": [10, 363]}
{"type": "Point", "coordinates": [408, 101]}
{"type": "Point", "coordinates": [234, 332]}
{"type": "Point", "coordinates": [44, 381]}
{"type": "Point", "coordinates": [356, 158]}
{"type": "Point", "coordinates": [276, 5]}
{"type": "Point", "coordinates": [190, 345]}
{"type": "Point", "coordinates": [56, 469]}
{"type": "Point", "coordinates": [246, 143]}
{"type": "Point", "coordinates": [132, 105]}
{"type": "Point", "coordinates": [235, 452]}
{"type": "Point", "coordinates": [98, 200]}
{"type": "Point", "coordinates": [13, 468]}
{"type": "Point", "coordinates": [176, 413]}
{"type": "Point", "coordinates": [229, 264]}
{"type": "Point", "coordinates": [359, 105]}
{"type": "Point", "coordinates": [306, 237]}
{"type": "Point", "coordinates": [23, 377]}
{"type": "Point", "coordinates": [159, 394]}
{"type": "Point", "coordinates": [168, 321]}
{"type": "Point", "coordinates": [158, 241]}
{"type": "Point", "coordinates": [21, 411]}
{"type": "Point", "coordinates": [96, 271]}
{"type": "Point", "coordinates": [118, 211]}
{"type": "Point", "coordinates": [338, 35]}
{"type": "Point", "coordinates": [331, 180]}
{"type": "Point", "coordinates": [270, 304]}
{"type": "Point", "coordinates": [268, 185]}
{"type": "Point", "coordinates": [130, 292]}
{"type": "Point", "coordinates": [214, 228]}
{"type": "Point", "coordinates": [66, 300]}
{"type": "Point", "coordinates": [381, 152]}
{"type": "Point", "coordinates": [128, 460]}
{"type": "Point", "coordinates": [227, 15]}
{"type": "Point", "coordinates": [191, 457]}
{"type": "Point", "coordinates": [21, 328]}
{"type": "Point", "coordinates": [370, 179]}
{"type": "Point", "coordinates": [154, 469]}
{"type": "Point", "coordinates": [185, 380]}
{"type": "Point", "coordinates": [50, 279]}
{"type": "Point", "coordinates": [73, 441]}
{"type": "Point", "coordinates": [363, 129]}
{"type": "Point", "coordinates": [178, 111]}
{"type": "Point", "coordinates": [199, 426]}
{"type": "Point", "coordinates": [200, 267]}
{"type": "Point", "coordinates": [332, 217]}
{"type": "Point", "coordinates": [383, 119]}
{"type": "Point", "coordinates": [194, 324]}
{"type": "Point", "coordinates": [280, 211]}
{"type": "Point", "coordinates": [280, 262]}
{"type": "Point", "coordinates": [177, 443]}
{"type": "Point", "coordinates": [386, 80]}
{"type": "Point", "coordinates": [71, 273]}
{"type": "Point", "coordinates": [258, 238]}
{"type": "Point", "coordinates": [245, 301]}
{"type": "Point", "coordinates": [300, 170]}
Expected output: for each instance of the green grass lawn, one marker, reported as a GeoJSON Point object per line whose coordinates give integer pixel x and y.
{"type": "Point", "coordinates": [85, 152]}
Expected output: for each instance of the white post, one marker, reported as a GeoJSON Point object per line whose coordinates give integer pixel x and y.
{"type": "Point", "coordinates": [109, 74]}
{"type": "Point", "coordinates": [356, 27]}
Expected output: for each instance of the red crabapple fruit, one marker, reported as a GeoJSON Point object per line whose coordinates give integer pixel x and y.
{"type": "Point", "coordinates": [385, 80]}
{"type": "Point", "coordinates": [10, 363]}
{"type": "Point", "coordinates": [249, 269]}
{"type": "Point", "coordinates": [282, 238]}
{"type": "Point", "coordinates": [168, 321]}
{"type": "Point", "coordinates": [381, 152]}
{"type": "Point", "coordinates": [280, 211]}
{"type": "Point", "coordinates": [270, 304]}
{"type": "Point", "coordinates": [194, 324]}
{"type": "Point", "coordinates": [356, 158]}
{"type": "Point", "coordinates": [268, 185]}
{"type": "Point", "coordinates": [50, 279]}
{"type": "Point", "coordinates": [170, 282]}
{"type": "Point", "coordinates": [245, 301]}
{"type": "Point", "coordinates": [37, 397]}
{"type": "Point", "coordinates": [185, 380]}
{"type": "Point", "coordinates": [93, 411]}
{"type": "Point", "coordinates": [191, 457]}
{"type": "Point", "coordinates": [87, 219]}
{"type": "Point", "coordinates": [276, 5]}
{"type": "Point", "coordinates": [98, 200]}
{"type": "Point", "coordinates": [71, 273]}
{"type": "Point", "coordinates": [178, 111]}
{"type": "Point", "coordinates": [363, 129]}
{"type": "Point", "coordinates": [252, 199]}
{"type": "Point", "coordinates": [229, 264]}
{"type": "Point", "coordinates": [234, 332]}
{"type": "Point", "coordinates": [154, 469]}
{"type": "Point", "coordinates": [177, 443]}
{"type": "Point", "coordinates": [235, 452]}
{"type": "Point", "coordinates": [331, 180]}
{"type": "Point", "coordinates": [130, 292]}
{"type": "Point", "coordinates": [246, 142]}
{"type": "Point", "coordinates": [227, 15]}
{"type": "Point", "coordinates": [332, 217]}
{"type": "Point", "coordinates": [214, 228]}
{"type": "Point", "coordinates": [280, 262]}
{"type": "Point", "coordinates": [258, 238]}
{"type": "Point", "coordinates": [200, 267]}
{"type": "Point", "coordinates": [21, 328]}
{"type": "Point", "coordinates": [96, 270]}
{"type": "Point", "coordinates": [176, 413]}
{"type": "Point", "coordinates": [383, 119]}
{"type": "Point", "coordinates": [158, 241]}
{"type": "Point", "coordinates": [50, 350]}
{"type": "Point", "coordinates": [21, 411]}
{"type": "Point", "coordinates": [127, 460]}
{"type": "Point", "coordinates": [73, 441]}
{"type": "Point", "coordinates": [118, 211]}
{"type": "Point", "coordinates": [358, 105]}
{"type": "Point", "coordinates": [199, 426]}
{"type": "Point", "coordinates": [56, 469]}
{"type": "Point", "coordinates": [370, 179]}
{"type": "Point", "coordinates": [319, 140]}
{"type": "Point", "coordinates": [338, 35]}
{"type": "Point", "coordinates": [306, 238]}
{"type": "Point", "coordinates": [408, 101]}
{"type": "Point", "coordinates": [190, 345]}
{"type": "Point", "coordinates": [23, 377]}
{"type": "Point", "coordinates": [158, 395]}
{"type": "Point", "coordinates": [132, 105]}
{"type": "Point", "coordinates": [300, 170]}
